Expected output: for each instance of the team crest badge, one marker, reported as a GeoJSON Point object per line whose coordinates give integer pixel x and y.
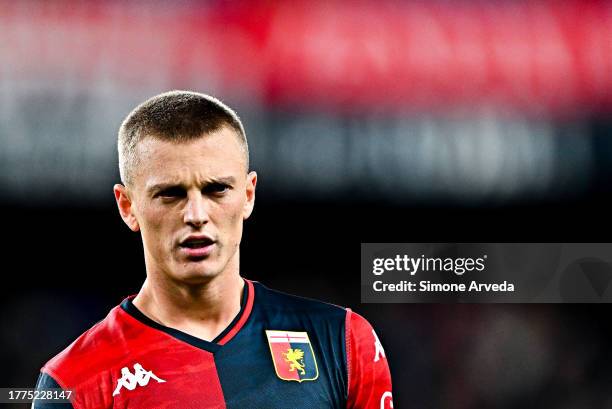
{"type": "Point", "coordinates": [292, 354]}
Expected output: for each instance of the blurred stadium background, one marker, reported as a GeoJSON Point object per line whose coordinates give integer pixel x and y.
{"type": "Point", "coordinates": [368, 122]}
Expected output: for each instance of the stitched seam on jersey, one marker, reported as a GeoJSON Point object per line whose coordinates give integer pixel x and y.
{"type": "Point", "coordinates": [55, 377]}
{"type": "Point", "coordinates": [349, 352]}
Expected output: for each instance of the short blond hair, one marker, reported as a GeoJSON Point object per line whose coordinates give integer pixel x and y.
{"type": "Point", "coordinates": [176, 116]}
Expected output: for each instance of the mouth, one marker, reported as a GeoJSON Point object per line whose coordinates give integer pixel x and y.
{"type": "Point", "coordinates": [197, 246]}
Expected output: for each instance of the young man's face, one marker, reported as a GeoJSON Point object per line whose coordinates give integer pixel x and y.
{"type": "Point", "coordinates": [189, 201]}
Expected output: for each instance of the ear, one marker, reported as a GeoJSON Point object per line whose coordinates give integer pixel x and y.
{"type": "Point", "coordinates": [250, 195]}
{"type": "Point", "coordinates": [124, 203]}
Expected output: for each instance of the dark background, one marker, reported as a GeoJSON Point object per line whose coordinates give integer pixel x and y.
{"type": "Point", "coordinates": [352, 144]}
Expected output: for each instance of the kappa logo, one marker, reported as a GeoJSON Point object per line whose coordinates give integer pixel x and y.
{"type": "Point", "coordinates": [140, 377]}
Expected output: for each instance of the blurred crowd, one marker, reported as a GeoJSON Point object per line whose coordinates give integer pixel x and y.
{"type": "Point", "coordinates": [368, 121]}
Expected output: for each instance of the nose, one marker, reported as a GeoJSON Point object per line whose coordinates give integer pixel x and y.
{"type": "Point", "coordinates": [196, 213]}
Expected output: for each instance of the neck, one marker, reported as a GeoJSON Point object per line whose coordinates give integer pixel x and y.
{"type": "Point", "coordinates": [203, 310]}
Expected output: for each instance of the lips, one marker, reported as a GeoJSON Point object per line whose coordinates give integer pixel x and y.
{"type": "Point", "coordinates": [197, 246]}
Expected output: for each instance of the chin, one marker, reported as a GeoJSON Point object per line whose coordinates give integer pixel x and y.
{"type": "Point", "coordinates": [197, 275]}
{"type": "Point", "coordinates": [194, 279]}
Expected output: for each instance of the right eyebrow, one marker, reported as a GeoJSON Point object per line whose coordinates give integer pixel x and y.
{"type": "Point", "coordinates": [162, 186]}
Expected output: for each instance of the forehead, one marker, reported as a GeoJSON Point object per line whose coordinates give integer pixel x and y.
{"type": "Point", "coordinates": [217, 154]}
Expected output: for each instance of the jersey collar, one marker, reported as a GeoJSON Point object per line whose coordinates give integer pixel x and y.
{"type": "Point", "coordinates": [246, 306]}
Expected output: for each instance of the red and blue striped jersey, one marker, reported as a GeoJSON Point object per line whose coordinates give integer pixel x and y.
{"type": "Point", "coordinates": [280, 351]}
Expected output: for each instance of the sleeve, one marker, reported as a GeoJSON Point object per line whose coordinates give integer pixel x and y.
{"type": "Point", "coordinates": [369, 379]}
{"type": "Point", "coordinates": [46, 381]}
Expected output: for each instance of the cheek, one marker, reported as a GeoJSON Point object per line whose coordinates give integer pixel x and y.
{"type": "Point", "coordinates": [232, 217]}
{"type": "Point", "coordinates": [156, 227]}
